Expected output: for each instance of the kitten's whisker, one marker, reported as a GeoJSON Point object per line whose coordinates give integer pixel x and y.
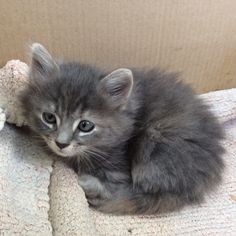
{"type": "Point", "coordinates": [90, 163]}
{"type": "Point", "coordinates": [86, 159]}
{"type": "Point", "coordinates": [98, 157]}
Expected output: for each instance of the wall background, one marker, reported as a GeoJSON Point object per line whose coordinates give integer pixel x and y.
{"type": "Point", "coordinates": [194, 37]}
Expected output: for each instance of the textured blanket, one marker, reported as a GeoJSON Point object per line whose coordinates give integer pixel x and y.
{"type": "Point", "coordinates": [39, 196]}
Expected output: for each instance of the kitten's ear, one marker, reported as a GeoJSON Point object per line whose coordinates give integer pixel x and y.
{"type": "Point", "coordinates": [42, 64]}
{"type": "Point", "coordinates": [117, 86]}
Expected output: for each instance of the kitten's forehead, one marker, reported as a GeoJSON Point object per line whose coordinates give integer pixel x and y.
{"type": "Point", "coordinates": [45, 105]}
{"type": "Point", "coordinates": [73, 91]}
{"type": "Point", "coordinates": [67, 108]}
{"type": "Point", "coordinates": [51, 106]}
{"type": "Point", "coordinates": [100, 118]}
{"type": "Point", "coordinates": [91, 114]}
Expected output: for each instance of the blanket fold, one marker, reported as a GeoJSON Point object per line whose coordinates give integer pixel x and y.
{"type": "Point", "coordinates": [24, 180]}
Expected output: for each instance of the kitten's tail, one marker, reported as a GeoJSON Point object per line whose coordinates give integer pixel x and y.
{"type": "Point", "coordinates": [144, 204]}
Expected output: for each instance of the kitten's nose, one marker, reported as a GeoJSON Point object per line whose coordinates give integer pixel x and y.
{"type": "Point", "coordinates": [62, 145]}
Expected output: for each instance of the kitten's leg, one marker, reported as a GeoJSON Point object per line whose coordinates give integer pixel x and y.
{"type": "Point", "coordinates": [148, 178]}
{"type": "Point", "coordinates": [142, 167]}
{"type": "Point", "coordinates": [116, 199]}
{"type": "Point", "coordinates": [119, 202]}
{"type": "Point", "coordinates": [93, 188]}
{"type": "Point", "coordinates": [127, 202]}
{"type": "Point", "coordinates": [122, 199]}
{"type": "Point", "coordinates": [150, 168]}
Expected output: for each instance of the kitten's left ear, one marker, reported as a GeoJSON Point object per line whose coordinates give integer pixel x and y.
{"type": "Point", "coordinates": [43, 65]}
{"type": "Point", "coordinates": [117, 86]}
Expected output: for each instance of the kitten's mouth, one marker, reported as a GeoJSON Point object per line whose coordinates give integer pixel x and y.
{"type": "Point", "coordinates": [65, 152]}
{"type": "Point", "coordinates": [61, 152]}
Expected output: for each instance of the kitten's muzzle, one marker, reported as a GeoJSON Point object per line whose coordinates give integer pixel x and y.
{"type": "Point", "coordinates": [62, 145]}
{"type": "Point", "coordinates": [63, 139]}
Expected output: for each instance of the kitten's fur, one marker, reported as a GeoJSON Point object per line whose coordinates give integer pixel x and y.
{"type": "Point", "coordinates": [155, 146]}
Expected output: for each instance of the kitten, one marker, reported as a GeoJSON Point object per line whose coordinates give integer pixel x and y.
{"type": "Point", "coordinates": [141, 141]}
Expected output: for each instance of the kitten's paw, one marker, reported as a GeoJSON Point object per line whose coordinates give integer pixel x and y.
{"type": "Point", "coordinates": [95, 202]}
{"type": "Point", "coordinates": [92, 186]}
{"type": "Point", "coordinates": [2, 118]}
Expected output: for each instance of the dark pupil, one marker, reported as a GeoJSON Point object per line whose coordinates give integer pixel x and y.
{"type": "Point", "coordinates": [86, 126]}
{"type": "Point", "coordinates": [49, 118]}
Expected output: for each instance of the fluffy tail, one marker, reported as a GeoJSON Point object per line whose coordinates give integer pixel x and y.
{"type": "Point", "coordinates": [143, 204]}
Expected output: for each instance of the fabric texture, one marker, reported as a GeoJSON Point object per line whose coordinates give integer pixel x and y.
{"type": "Point", "coordinates": [13, 77]}
{"type": "Point", "coordinates": [24, 180]}
{"type": "Point", "coordinates": [41, 196]}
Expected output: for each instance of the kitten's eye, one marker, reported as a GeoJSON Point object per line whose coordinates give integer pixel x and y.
{"type": "Point", "coordinates": [49, 118]}
{"type": "Point", "coordinates": [86, 126]}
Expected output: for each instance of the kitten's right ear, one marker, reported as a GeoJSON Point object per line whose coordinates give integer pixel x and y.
{"type": "Point", "coordinates": [116, 87]}
{"type": "Point", "coordinates": [42, 64]}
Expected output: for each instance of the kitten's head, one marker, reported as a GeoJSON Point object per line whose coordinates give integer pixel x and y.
{"type": "Point", "coordinates": [77, 109]}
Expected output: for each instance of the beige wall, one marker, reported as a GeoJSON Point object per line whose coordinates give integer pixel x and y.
{"type": "Point", "coordinates": [195, 37]}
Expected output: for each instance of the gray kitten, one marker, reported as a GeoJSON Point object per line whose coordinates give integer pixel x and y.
{"type": "Point", "coordinates": [141, 141]}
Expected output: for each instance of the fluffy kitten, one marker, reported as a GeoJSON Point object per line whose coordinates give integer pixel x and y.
{"type": "Point", "coordinates": [141, 141]}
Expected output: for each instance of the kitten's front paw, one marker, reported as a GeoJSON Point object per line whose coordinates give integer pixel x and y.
{"type": "Point", "coordinates": [92, 187]}
{"type": "Point", "coordinates": [95, 202]}
{"type": "Point", "coordinates": [2, 118]}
